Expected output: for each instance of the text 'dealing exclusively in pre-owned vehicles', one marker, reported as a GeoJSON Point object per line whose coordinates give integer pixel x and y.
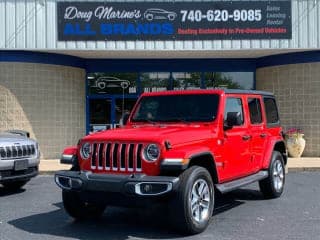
{"type": "Point", "coordinates": [180, 148]}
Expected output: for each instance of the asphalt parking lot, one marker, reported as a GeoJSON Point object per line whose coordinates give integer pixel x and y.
{"type": "Point", "coordinates": [36, 212]}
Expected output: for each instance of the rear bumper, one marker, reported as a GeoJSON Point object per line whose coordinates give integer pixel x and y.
{"type": "Point", "coordinates": [138, 185]}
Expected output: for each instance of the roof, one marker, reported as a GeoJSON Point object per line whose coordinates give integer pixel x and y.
{"type": "Point", "coordinates": [207, 91]}
{"type": "Point", "coordinates": [239, 91]}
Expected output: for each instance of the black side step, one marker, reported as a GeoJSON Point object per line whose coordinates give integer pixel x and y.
{"type": "Point", "coordinates": [233, 185]}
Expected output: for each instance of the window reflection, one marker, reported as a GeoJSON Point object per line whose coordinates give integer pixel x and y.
{"type": "Point", "coordinates": [233, 80]}
{"type": "Point", "coordinates": [186, 80]}
{"type": "Point", "coordinates": [154, 81]}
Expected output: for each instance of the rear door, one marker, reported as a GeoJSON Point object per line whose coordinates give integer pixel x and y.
{"type": "Point", "coordinates": [258, 133]}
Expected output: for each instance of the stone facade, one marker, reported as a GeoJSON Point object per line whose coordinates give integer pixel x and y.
{"type": "Point", "coordinates": [297, 88]}
{"type": "Point", "coordinates": [46, 100]}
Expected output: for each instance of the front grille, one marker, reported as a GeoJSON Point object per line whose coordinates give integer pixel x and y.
{"type": "Point", "coordinates": [116, 157]}
{"type": "Point", "coordinates": [17, 151]}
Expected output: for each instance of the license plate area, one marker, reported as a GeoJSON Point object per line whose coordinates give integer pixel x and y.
{"type": "Point", "coordinates": [20, 165]}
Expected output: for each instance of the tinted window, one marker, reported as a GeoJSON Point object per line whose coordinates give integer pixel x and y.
{"type": "Point", "coordinates": [255, 110]}
{"type": "Point", "coordinates": [234, 105]}
{"type": "Point", "coordinates": [271, 110]}
{"type": "Point", "coordinates": [177, 108]}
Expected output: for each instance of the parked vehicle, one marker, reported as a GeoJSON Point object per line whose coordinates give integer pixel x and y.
{"type": "Point", "coordinates": [19, 159]}
{"type": "Point", "coordinates": [179, 148]}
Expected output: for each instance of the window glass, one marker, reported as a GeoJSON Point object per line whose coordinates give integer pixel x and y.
{"type": "Point", "coordinates": [154, 81]}
{"type": "Point", "coordinates": [186, 80]}
{"type": "Point", "coordinates": [177, 108]}
{"type": "Point", "coordinates": [271, 110]}
{"type": "Point", "coordinates": [112, 83]}
{"type": "Point", "coordinates": [255, 110]}
{"type": "Point", "coordinates": [231, 80]}
{"type": "Point", "coordinates": [234, 105]}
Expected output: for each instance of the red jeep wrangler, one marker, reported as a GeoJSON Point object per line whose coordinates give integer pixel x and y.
{"type": "Point", "coordinates": [178, 148]}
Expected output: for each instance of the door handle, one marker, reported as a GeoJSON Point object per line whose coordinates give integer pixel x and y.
{"type": "Point", "coordinates": [246, 137]}
{"type": "Point", "coordinates": [263, 135]}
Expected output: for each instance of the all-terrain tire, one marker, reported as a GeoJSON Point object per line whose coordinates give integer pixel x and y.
{"type": "Point", "coordinates": [273, 185]}
{"type": "Point", "coordinates": [192, 207]}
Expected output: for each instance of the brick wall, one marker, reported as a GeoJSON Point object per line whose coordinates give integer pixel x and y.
{"type": "Point", "coordinates": [297, 88]}
{"type": "Point", "coordinates": [46, 100]}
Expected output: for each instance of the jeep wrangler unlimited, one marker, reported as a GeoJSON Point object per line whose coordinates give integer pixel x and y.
{"type": "Point", "coordinates": [179, 148]}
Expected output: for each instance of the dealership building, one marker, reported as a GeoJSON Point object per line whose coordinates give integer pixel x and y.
{"type": "Point", "coordinates": [68, 68]}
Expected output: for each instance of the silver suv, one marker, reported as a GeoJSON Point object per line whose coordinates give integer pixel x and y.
{"type": "Point", "coordinates": [19, 159]}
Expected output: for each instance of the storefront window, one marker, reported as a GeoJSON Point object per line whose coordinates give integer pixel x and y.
{"type": "Point", "coordinates": [154, 81]}
{"type": "Point", "coordinates": [186, 80]}
{"type": "Point", "coordinates": [112, 83]}
{"type": "Point", "coordinates": [233, 80]}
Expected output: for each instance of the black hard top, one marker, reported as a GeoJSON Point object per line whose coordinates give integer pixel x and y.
{"type": "Point", "coordinates": [239, 91]}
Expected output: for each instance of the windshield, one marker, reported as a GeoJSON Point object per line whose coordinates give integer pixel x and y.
{"type": "Point", "coordinates": [177, 108]}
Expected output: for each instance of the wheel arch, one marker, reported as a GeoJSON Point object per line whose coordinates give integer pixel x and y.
{"type": "Point", "coordinates": [205, 160]}
{"type": "Point", "coordinates": [279, 146]}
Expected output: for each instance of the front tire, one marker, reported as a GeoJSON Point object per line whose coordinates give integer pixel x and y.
{"type": "Point", "coordinates": [273, 185]}
{"type": "Point", "coordinates": [78, 209]}
{"type": "Point", "coordinates": [14, 186]}
{"type": "Point", "coordinates": [193, 204]}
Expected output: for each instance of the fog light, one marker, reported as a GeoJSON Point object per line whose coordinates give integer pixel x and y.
{"type": "Point", "coordinates": [146, 188]}
{"type": "Point", "coordinates": [153, 188]}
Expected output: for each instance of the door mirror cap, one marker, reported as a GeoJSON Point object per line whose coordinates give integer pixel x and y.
{"type": "Point", "coordinates": [233, 119]}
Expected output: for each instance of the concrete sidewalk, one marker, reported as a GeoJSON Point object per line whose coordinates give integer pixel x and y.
{"type": "Point", "coordinates": [294, 164]}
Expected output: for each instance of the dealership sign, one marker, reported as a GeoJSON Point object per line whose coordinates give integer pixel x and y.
{"type": "Point", "coordinates": [174, 20]}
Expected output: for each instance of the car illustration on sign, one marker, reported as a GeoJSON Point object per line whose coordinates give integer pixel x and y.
{"type": "Point", "coordinates": [103, 83]}
{"type": "Point", "coordinates": [159, 14]}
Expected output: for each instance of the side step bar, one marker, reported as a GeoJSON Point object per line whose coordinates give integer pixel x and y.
{"type": "Point", "coordinates": [233, 185]}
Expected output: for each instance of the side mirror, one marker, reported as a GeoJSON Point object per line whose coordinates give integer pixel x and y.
{"type": "Point", "coordinates": [124, 119]}
{"type": "Point", "coordinates": [20, 132]}
{"type": "Point", "coordinates": [233, 119]}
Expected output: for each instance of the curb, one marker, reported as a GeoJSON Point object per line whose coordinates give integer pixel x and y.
{"type": "Point", "coordinates": [304, 169]}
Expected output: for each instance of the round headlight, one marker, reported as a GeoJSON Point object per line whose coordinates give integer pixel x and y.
{"type": "Point", "coordinates": [85, 150]}
{"type": "Point", "coordinates": [151, 152]}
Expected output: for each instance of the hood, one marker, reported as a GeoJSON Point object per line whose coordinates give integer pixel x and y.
{"type": "Point", "coordinates": [176, 134]}
{"type": "Point", "coordinates": [6, 138]}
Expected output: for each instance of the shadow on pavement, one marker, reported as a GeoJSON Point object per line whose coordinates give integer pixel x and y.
{"type": "Point", "coordinates": [117, 223]}
{"type": "Point", "coordinates": [6, 192]}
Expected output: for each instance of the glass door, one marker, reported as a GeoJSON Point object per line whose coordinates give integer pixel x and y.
{"type": "Point", "coordinates": [105, 113]}
{"type": "Point", "coordinates": [122, 105]}
{"type": "Point", "coordinates": [100, 114]}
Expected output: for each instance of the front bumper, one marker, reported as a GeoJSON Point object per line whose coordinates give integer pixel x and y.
{"type": "Point", "coordinates": [8, 164]}
{"type": "Point", "coordinates": [138, 185]}
{"type": "Point", "coordinates": [22, 175]}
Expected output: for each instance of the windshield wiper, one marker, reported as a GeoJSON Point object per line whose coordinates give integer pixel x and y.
{"type": "Point", "coordinates": [143, 120]}
{"type": "Point", "coordinates": [183, 120]}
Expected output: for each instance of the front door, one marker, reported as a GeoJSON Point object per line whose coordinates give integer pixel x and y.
{"type": "Point", "coordinates": [236, 142]}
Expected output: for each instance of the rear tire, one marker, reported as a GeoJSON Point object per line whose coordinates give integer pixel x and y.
{"type": "Point", "coordinates": [273, 185]}
{"type": "Point", "coordinates": [14, 186]}
{"type": "Point", "coordinates": [192, 207]}
{"type": "Point", "coordinates": [78, 209]}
